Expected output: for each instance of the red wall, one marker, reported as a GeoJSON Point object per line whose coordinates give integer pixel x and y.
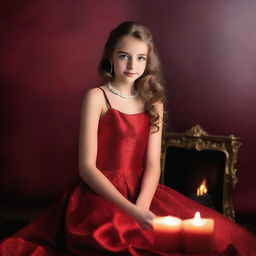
{"type": "Point", "coordinates": [50, 53]}
{"type": "Point", "coordinates": [209, 55]}
{"type": "Point", "coordinates": [51, 50]}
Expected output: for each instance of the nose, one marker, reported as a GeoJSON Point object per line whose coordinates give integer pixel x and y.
{"type": "Point", "coordinates": [131, 63]}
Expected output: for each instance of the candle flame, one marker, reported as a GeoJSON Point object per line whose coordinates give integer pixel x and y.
{"type": "Point", "coordinates": [202, 189]}
{"type": "Point", "coordinates": [197, 216]}
{"type": "Point", "coordinates": [197, 219]}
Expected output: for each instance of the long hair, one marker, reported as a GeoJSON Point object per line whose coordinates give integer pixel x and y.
{"type": "Point", "coordinates": [150, 86]}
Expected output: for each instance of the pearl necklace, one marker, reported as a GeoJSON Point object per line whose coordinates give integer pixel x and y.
{"type": "Point", "coordinates": [116, 92]}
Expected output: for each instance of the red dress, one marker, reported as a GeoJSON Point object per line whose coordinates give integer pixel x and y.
{"type": "Point", "coordinates": [84, 223]}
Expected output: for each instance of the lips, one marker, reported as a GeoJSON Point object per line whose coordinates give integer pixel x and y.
{"type": "Point", "coordinates": [130, 73]}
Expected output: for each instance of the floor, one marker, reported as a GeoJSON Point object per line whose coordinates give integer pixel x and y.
{"type": "Point", "coordinates": [9, 227]}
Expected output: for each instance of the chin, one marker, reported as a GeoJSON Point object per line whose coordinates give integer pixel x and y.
{"type": "Point", "coordinates": [130, 79]}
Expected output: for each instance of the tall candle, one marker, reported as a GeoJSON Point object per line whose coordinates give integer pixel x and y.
{"type": "Point", "coordinates": [198, 234]}
{"type": "Point", "coordinates": [167, 233]}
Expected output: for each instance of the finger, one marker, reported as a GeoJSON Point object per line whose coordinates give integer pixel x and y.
{"type": "Point", "coordinates": [146, 226]}
{"type": "Point", "coordinates": [153, 215]}
{"type": "Point", "coordinates": [149, 226]}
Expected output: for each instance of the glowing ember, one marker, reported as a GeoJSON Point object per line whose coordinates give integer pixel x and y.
{"type": "Point", "coordinates": [202, 189]}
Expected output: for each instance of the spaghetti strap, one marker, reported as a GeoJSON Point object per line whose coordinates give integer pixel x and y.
{"type": "Point", "coordinates": [106, 98]}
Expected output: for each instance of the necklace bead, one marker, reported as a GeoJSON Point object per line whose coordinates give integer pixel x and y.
{"type": "Point", "coordinates": [116, 92]}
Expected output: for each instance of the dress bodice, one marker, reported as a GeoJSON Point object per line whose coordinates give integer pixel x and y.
{"type": "Point", "coordinates": [122, 140]}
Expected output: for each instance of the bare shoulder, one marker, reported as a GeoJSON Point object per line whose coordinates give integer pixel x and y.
{"type": "Point", "coordinates": [93, 94]}
{"type": "Point", "coordinates": [93, 100]}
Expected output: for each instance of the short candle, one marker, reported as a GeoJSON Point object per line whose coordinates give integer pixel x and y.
{"type": "Point", "coordinates": [198, 234]}
{"type": "Point", "coordinates": [167, 233]}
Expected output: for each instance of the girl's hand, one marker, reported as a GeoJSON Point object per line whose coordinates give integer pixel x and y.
{"type": "Point", "coordinates": [144, 217]}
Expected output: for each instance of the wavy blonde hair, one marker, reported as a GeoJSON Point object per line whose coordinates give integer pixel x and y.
{"type": "Point", "coordinates": [150, 86]}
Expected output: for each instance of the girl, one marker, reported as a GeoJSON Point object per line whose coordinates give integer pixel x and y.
{"type": "Point", "coordinates": [133, 89]}
{"type": "Point", "coordinates": [110, 209]}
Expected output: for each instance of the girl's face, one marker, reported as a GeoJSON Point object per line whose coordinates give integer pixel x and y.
{"type": "Point", "coordinates": [129, 59]}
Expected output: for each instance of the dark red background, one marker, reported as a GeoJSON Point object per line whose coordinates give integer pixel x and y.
{"type": "Point", "coordinates": [49, 56]}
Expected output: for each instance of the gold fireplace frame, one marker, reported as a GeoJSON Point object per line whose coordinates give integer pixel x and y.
{"type": "Point", "coordinates": [199, 139]}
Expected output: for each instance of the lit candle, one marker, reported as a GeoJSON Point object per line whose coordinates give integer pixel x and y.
{"type": "Point", "coordinates": [198, 234]}
{"type": "Point", "coordinates": [167, 233]}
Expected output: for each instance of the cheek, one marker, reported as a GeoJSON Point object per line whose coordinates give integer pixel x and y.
{"type": "Point", "coordinates": [143, 67]}
{"type": "Point", "coordinates": [119, 65]}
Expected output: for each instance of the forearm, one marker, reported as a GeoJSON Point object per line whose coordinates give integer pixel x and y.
{"type": "Point", "coordinates": [149, 184]}
{"type": "Point", "coordinates": [102, 186]}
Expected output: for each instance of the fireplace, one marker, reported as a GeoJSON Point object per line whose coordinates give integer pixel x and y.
{"type": "Point", "coordinates": [195, 158]}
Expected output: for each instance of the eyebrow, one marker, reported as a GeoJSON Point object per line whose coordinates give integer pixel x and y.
{"type": "Point", "coordinates": [140, 54]}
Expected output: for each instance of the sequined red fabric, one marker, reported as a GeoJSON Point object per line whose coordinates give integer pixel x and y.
{"type": "Point", "coordinates": [84, 223]}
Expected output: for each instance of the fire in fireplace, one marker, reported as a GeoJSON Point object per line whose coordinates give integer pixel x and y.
{"type": "Point", "coordinates": [202, 189]}
{"type": "Point", "coordinates": [202, 167]}
{"type": "Point", "coordinates": [201, 196]}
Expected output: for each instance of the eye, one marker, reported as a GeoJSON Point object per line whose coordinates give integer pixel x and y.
{"type": "Point", "coordinates": [141, 58]}
{"type": "Point", "coordinates": [123, 57]}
